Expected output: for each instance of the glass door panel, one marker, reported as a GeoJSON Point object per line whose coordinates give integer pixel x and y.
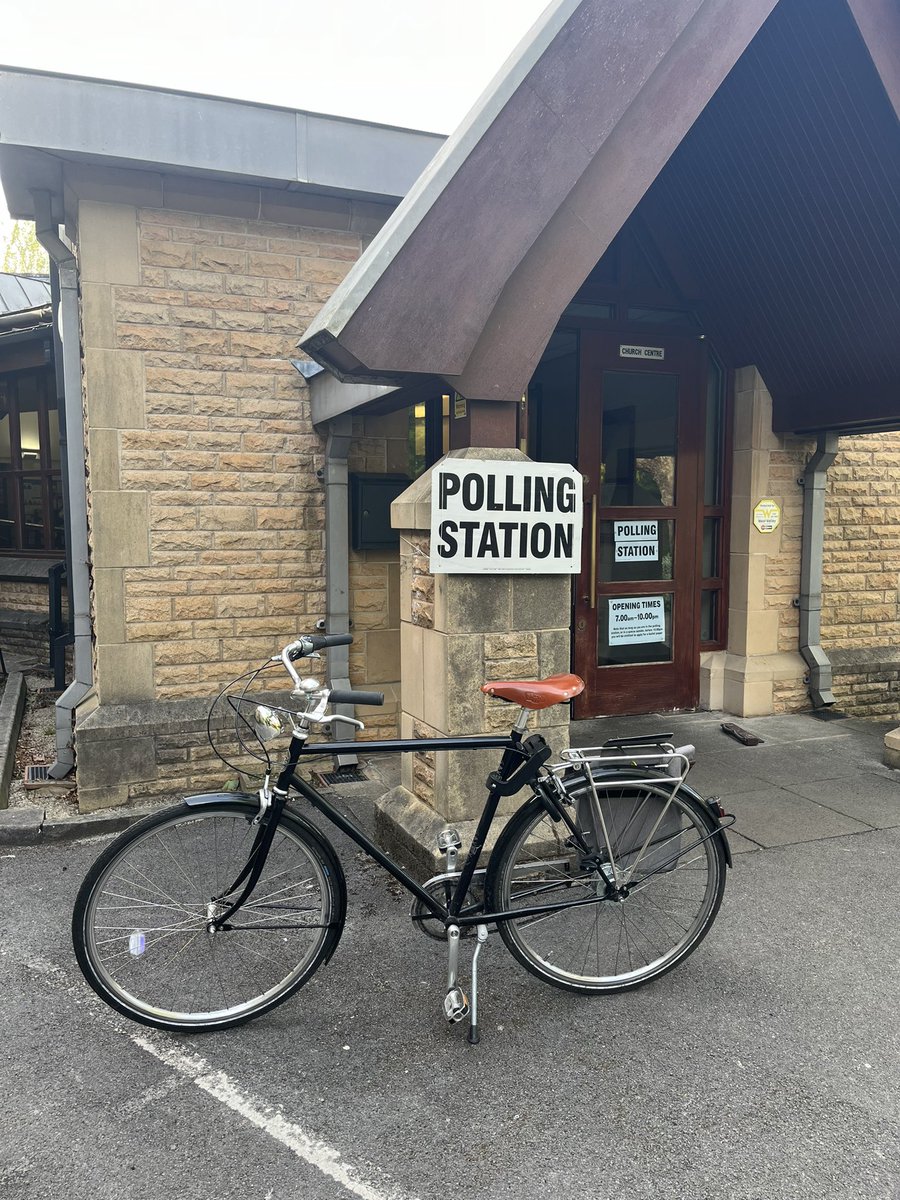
{"type": "Point", "coordinates": [638, 439]}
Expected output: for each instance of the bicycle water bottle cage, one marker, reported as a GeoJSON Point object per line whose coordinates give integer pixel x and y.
{"type": "Point", "coordinates": [537, 752]}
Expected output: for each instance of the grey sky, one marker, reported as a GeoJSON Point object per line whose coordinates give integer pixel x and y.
{"type": "Point", "coordinates": [417, 63]}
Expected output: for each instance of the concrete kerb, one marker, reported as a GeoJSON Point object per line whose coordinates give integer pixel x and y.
{"type": "Point", "coordinates": [28, 826]}
{"type": "Point", "coordinates": [12, 706]}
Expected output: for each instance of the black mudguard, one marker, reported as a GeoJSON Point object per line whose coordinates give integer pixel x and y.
{"type": "Point", "coordinates": [220, 798]}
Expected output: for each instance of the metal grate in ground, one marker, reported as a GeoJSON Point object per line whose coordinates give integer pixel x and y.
{"type": "Point", "coordinates": [39, 777]}
{"type": "Point", "coordinates": [342, 775]}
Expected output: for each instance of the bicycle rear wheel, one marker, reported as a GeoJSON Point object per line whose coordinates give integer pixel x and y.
{"type": "Point", "coordinates": [140, 925]}
{"type": "Point", "coordinates": [609, 939]}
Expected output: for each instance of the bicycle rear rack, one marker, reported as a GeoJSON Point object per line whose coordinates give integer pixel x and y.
{"type": "Point", "coordinates": [669, 762]}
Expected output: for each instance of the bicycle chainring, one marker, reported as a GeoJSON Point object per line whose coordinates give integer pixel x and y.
{"type": "Point", "coordinates": [441, 889]}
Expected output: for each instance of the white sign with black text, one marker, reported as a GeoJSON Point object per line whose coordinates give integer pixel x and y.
{"type": "Point", "coordinates": [636, 619]}
{"type": "Point", "coordinates": [636, 541]}
{"type": "Point", "coordinates": [505, 518]}
{"type": "Point", "coordinates": [656, 352]}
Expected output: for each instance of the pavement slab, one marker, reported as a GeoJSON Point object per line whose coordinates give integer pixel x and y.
{"type": "Point", "coordinates": [864, 796]}
{"type": "Point", "coordinates": [777, 817]}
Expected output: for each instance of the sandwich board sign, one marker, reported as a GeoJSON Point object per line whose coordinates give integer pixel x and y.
{"type": "Point", "coordinates": [490, 517]}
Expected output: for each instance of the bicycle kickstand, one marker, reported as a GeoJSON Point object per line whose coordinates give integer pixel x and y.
{"type": "Point", "coordinates": [474, 1033]}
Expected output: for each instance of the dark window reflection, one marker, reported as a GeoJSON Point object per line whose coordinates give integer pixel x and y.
{"type": "Point", "coordinates": [638, 439]}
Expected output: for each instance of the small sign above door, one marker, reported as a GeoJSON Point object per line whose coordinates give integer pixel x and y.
{"type": "Point", "coordinates": [657, 352]}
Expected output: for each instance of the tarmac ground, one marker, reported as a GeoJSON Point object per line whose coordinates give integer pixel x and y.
{"type": "Point", "coordinates": [766, 1065]}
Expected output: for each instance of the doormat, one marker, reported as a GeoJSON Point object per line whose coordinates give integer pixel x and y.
{"type": "Point", "coordinates": [39, 776]}
{"type": "Point", "coordinates": [829, 714]}
{"type": "Point", "coordinates": [342, 775]}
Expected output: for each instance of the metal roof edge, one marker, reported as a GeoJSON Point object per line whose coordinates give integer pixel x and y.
{"type": "Point", "coordinates": [114, 123]}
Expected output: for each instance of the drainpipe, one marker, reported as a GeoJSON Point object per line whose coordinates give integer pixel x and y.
{"type": "Point", "coordinates": [47, 231]}
{"type": "Point", "coordinates": [810, 600]}
{"type": "Point", "coordinates": [337, 567]}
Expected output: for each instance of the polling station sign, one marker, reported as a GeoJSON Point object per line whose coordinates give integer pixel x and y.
{"type": "Point", "coordinates": [505, 518]}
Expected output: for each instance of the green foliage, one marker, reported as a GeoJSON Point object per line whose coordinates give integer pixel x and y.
{"type": "Point", "coordinates": [22, 253]}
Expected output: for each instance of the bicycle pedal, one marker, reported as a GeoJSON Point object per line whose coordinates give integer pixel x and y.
{"type": "Point", "coordinates": [449, 843]}
{"type": "Point", "coordinates": [456, 1005]}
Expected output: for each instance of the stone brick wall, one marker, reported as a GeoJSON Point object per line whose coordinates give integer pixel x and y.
{"type": "Point", "coordinates": [23, 596]}
{"type": "Point", "coordinates": [206, 513]}
{"type": "Point", "coordinates": [225, 463]}
{"type": "Point", "coordinates": [861, 589]}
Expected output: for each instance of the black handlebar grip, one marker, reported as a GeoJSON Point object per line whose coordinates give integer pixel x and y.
{"type": "Point", "coordinates": [354, 697]}
{"type": "Point", "coordinates": [321, 641]}
{"type": "Point", "coordinates": [310, 643]}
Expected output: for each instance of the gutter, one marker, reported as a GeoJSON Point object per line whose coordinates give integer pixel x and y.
{"type": "Point", "coordinates": [71, 434]}
{"type": "Point", "coordinates": [337, 567]}
{"type": "Point", "coordinates": [813, 482]}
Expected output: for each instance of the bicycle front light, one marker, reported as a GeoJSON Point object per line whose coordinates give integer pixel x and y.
{"type": "Point", "coordinates": [268, 724]}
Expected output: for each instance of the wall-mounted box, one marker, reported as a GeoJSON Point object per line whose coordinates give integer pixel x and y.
{"type": "Point", "coordinates": [371, 497]}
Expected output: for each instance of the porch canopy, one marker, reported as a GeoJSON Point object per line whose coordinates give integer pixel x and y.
{"type": "Point", "coordinates": [758, 139]}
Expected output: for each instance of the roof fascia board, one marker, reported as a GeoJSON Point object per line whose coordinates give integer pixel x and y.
{"type": "Point", "coordinates": [878, 22]}
{"type": "Point", "coordinates": [329, 398]}
{"type": "Point", "coordinates": [433, 180]}
{"type": "Point", "coordinates": [118, 123]}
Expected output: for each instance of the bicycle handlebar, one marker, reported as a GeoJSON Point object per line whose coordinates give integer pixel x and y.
{"type": "Point", "coordinates": [309, 644]}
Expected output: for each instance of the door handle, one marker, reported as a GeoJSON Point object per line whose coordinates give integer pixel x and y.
{"type": "Point", "coordinates": [593, 551]}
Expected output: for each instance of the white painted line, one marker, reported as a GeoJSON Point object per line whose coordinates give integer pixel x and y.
{"type": "Point", "coordinates": [218, 1085]}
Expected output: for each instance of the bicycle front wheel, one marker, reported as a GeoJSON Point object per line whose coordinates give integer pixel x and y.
{"type": "Point", "coordinates": [141, 925]}
{"type": "Point", "coordinates": [668, 886]}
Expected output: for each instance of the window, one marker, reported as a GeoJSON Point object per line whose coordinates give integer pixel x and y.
{"type": "Point", "coordinates": [429, 433]}
{"type": "Point", "coordinates": [31, 499]}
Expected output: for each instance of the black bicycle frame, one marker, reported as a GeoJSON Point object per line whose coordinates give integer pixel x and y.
{"type": "Point", "coordinates": [513, 755]}
{"type": "Point", "coordinates": [520, 763]}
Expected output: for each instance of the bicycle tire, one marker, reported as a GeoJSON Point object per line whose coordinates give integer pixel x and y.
{"type": "Point", "coordinates": [612, 945]}
{"type": "Point", "coordinates": [170, 971]}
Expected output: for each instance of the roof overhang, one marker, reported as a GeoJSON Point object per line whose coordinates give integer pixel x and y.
{"type": "Point", "coordinates": [468, 278]}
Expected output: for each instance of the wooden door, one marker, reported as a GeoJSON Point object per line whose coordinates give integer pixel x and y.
{"type": "Point", "coordinates": [640, 449]}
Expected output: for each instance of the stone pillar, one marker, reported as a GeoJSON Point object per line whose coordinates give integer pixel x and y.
{"type": "Point", "coordinates": [762, 671]}
{"type": "Point", "coordinates": [456, 633]}
{"type": "Point", "coordinates": [115, 407]}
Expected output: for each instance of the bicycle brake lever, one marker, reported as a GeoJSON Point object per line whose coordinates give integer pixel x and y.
{"type": "Point", "coordinates": [327, 721]}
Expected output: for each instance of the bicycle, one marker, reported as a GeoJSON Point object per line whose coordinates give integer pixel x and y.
{"type": "Point", "coordinates": [212, 912]}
